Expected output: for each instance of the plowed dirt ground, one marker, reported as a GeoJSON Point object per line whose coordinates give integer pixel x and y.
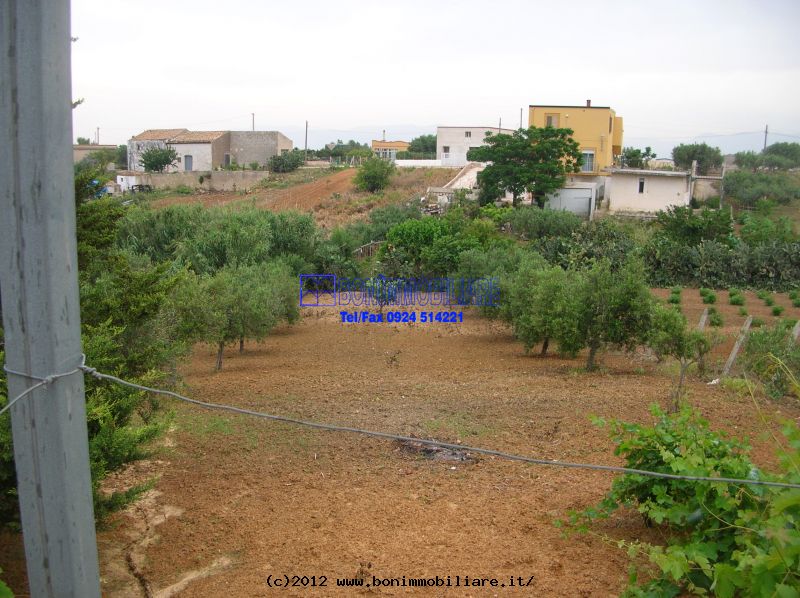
{"type": "Point", "coordinates": [238, 499]}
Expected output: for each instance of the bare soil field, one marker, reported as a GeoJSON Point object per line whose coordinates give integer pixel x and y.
{"type": "Point", "coordinates": [238, 499]}
{"type": "Point", "coordinates": [331, 198]}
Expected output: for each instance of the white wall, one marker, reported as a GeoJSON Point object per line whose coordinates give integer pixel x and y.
{"type": "Point", "coordinates": [200, 153]}
{"type": "Point", "coordinates": [418, 163]}
{"type": "Point", "coordinates": [126, 181]}
{"type": "Point", "coordinates": [456, 140]}
{"type": "Point", "coordinates": [660, 192]}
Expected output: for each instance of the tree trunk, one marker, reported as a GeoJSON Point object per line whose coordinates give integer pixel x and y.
{"type": "Point", "coordinates": [241, 344]}
{"type": "Point", "coordinates": [590, 361]}
{"type": "Point", "coordinates": [545, 344]}
{"type": "Point", "coordinates": [220, 349]}
{"type": "Point", "coordinates": [676, 406]}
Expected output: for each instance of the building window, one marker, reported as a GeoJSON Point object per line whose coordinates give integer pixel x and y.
{"type": "Point", "coordinates": [446, 149]}
{"type": "Point", "coordinates": [641, 185]}
{"type": "Point", "coordinates": [551, 120]}
{"type": "Point", "coordinates": [588, 161]}
{"type": "Point", "coordinates": [467, 133]}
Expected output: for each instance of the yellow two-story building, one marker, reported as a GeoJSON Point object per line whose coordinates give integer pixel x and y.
{"type": "Point", "coordinates": [597, 129]}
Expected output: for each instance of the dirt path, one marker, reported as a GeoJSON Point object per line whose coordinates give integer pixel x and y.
{"type": "Point", "coordinates": [302, 197]}
{"type": "Point", "coordinates": [306, 197]}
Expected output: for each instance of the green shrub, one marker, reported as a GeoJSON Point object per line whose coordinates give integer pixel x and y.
{"type": "Point", "coordinates": [683, 225]}
{"type": "Point", "coordinates": [718, 538]}
{"type": "Point", "coordinates": [674, 298]}
{"type": "Point", "coordinates": [774, 265]}
{"type": "Point", "coordinates": [762, 294]}
{"type": "Point", "coordinates": [760, 230]}
{"type": "Point", "coordinates": [532, 222]}
{"type": "Point", "coordinates": [184, 190]}
{"type": "Point", "coordinates": [736, 299]}
{"type": "Point", "coordinates": [757, 322]}
{"type": "Point", "coordinates": [777, 310]}
{"type": "Point", "coordinates": [374, 175]}
{"type": "Point", "coordinates": [747, 188]}
{"type": "Point", "coordinates": [714, 318]}
{"type": "Point", "coordinates": [286, 162]}
{"type": "Point", "coordinates": [769, 301]}
{"type": "Point", "coordinates": [709, 297]}
{"type": "Point", "coordinates": [795, 302]}
{"type": "Point", "coordinates": [794, 295]}
{"type": "Point", "coordinates": [743, 311]}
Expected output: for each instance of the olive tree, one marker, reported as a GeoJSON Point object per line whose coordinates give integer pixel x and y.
{"type": "Point", "coordinates": [614, 307]}
{"type": "Point", "coordinates": [236, 303]}
{"type": "Point", "coordinates": [542, 302]}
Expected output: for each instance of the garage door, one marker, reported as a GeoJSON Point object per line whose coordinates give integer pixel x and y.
{"type": "Point", "coordinates": [577, 201]}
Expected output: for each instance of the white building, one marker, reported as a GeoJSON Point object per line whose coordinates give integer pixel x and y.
{"type": "Point", "coordinates": [209, 150]}
{"type": "Point", "coordinates": [647, 191]}
{"type": "Point", "coordinates": [200, 150]}
{"type": "Point", "coordinates": [453, 143]}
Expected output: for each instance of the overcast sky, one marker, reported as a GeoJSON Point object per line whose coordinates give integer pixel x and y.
{"type": "Point", "coordinates": [675, 71]}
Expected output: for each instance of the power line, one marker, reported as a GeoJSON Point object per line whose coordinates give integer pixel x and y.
{"type": "Point", "coordinates": [388, 436]}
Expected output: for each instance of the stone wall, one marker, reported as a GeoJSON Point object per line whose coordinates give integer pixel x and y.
{"type": "Point", "coordinates": [219, 180]}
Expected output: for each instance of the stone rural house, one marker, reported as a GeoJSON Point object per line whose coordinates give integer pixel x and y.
{"type": "Point", "coordinates": [209, 150]}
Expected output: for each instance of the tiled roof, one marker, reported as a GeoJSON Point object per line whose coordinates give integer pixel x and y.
{"type": "Point", "coordinates": [390, 144]}
{"type": "Point", "coordinates": [158, 134]}
{"type": "Point", "coordinates": [197, 136]}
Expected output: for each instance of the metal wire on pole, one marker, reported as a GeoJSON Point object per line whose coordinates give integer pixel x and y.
{"type": "Point", "coordinates": [424, 441]}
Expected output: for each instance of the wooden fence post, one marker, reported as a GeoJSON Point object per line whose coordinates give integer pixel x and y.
{"type": "Point", "coordinates": [736, 347]}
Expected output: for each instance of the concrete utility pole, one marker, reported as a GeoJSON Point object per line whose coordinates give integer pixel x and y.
{"type": "Point", "coordinates": [253, 116]}
{"type": "Point", "coordinates": [39, 283]}
{"type": "Point", "coordinates": [766, 132]}
{"type": "Point", "coordinates": [306, 145]}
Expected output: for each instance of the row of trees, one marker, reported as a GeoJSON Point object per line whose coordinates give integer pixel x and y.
{"type": "Point", "coordinates": [599, 305]}
{"type": "Point", "coordinates": [778, 156]}
{"type": "Point", "coordinates": [152, 283]}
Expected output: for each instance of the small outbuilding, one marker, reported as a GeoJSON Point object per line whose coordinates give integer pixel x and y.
{"type": "Point", "coordinates": [646, 192]}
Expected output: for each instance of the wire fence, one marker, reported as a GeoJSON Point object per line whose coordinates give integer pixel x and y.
{"type": "Point", "coordinates": [83, 368]}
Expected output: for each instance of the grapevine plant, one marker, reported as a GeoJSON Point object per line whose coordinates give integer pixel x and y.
{"type": "Point", "coordinates": [722, 539]}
